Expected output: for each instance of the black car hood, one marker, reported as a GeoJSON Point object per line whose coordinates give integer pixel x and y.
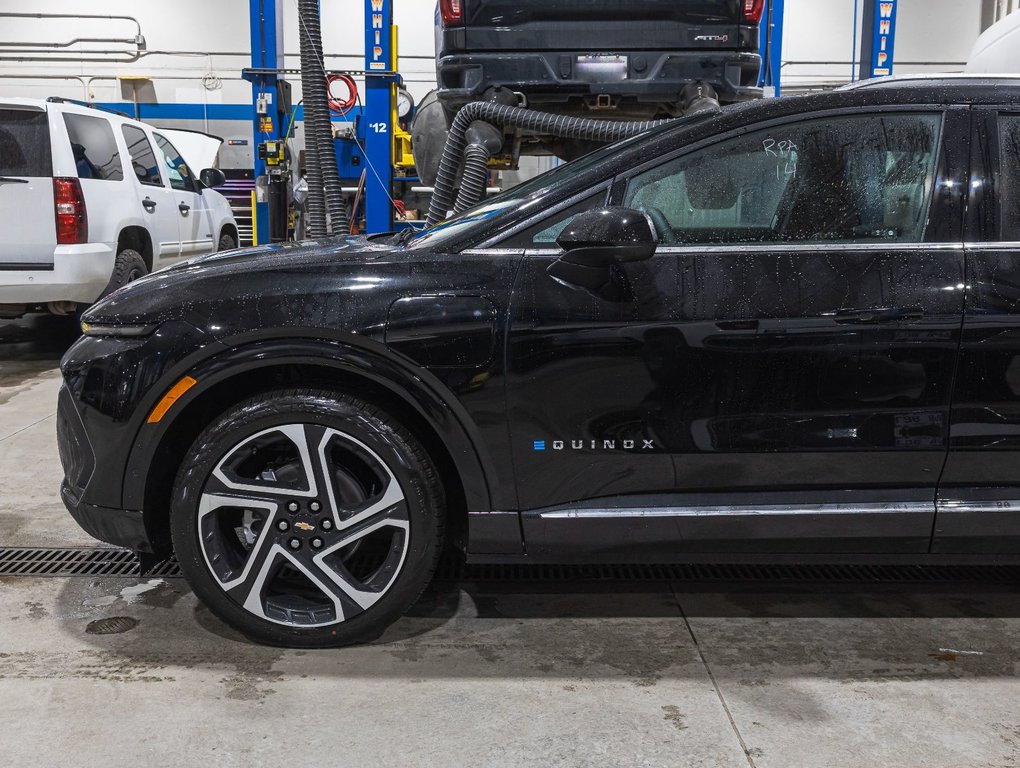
{"type": "Point", "coordinates": [236, 277]}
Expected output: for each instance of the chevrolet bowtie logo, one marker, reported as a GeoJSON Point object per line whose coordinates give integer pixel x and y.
{"type": "Point", "coordinates": [304, 526]}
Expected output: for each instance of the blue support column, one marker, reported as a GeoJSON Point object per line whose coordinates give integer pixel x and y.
{"type": "Point", "coordinates": [266, 19]}
{"type": "Point", "coordinates": [380, 57]}
{"type": "Point", "coordinates": [770, 46]}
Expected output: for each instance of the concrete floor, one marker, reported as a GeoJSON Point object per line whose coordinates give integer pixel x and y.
{"type": "Point", "coordinates": [488, 674]}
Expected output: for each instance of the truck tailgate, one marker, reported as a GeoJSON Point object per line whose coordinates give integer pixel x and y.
{"type": "Point", "coordinates": [583, 25]}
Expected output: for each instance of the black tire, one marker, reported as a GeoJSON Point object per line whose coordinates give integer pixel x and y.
{"type": "Point", "coordinates": [255, 562]}
{"type": "Point", "coordinates": [227, 243]}
{"type": "Point", "coordinates": [128, 267]}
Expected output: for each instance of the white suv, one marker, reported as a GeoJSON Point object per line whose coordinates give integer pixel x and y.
{"type": "Point", "coordinates": [90, 200]}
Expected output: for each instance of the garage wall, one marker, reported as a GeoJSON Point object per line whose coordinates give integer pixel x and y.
{"type": "Point", "coordinates": [193, 58]}
{"type": "Point", "coordinates": [196, 49]}
{"type": "Point", "coordinates": [819, 44]}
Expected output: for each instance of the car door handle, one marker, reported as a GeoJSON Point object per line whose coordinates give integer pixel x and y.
{"type": "Point", "coordinates": [184, 208]}
{"type": "Point", "coordinates": [879, 315]}
{"type": "Point", "coordinates": [149, 205]}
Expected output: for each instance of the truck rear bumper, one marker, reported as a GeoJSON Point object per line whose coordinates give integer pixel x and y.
{"type": "Point", "coordinates": [550, 77]}
{"type": "Point", "coordinates": [78, 273]}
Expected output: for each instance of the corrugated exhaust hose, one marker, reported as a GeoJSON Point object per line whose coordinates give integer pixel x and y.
{"type": "Point", "coordinates": [518, 118]}
{"type": "Point", "coordinates": [483, 141]}
{"type": "Point", "coordinates": [325, 196]}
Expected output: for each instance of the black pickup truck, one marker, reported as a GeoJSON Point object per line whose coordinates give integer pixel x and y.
{"type": "Point", "coordinates": [626, 58]}
{"type": "Point", "coordinates": [618, 59]}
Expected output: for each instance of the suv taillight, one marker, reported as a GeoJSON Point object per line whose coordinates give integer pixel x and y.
{"type": "Point", "coordinates": [451, 11]}
{"type": "Point", "coordinates": [69, 211]}
{"type": "Point", "coordinates": [753, 10]}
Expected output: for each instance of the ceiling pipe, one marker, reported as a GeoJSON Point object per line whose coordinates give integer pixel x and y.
{"type": "Point", "coordinates": [140, 41]}
{"type": "Point", "coordinates": [6, 15]}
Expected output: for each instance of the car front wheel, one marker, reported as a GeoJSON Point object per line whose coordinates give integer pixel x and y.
{"type": "Point", "coordinates": [306, 518]}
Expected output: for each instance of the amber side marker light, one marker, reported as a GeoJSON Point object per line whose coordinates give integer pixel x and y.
{"type": "Point", "coordinates": [170, 398]}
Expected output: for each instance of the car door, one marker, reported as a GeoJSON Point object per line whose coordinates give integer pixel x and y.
{"type": "Point", "coordinates": [194, 220]}
{"type": "Point", "coordinates": [979, 496]}
{"type": "Point", "coordinates": [784, 360]}
{"type": "Point", "coordinates": [156, 199]}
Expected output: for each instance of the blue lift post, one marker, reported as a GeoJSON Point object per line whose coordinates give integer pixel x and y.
{"type": "Point", "coordinates": [381, 67]}
{"type": "Point", "coordinates": [770, 45]}
{"type": "Point", "coordinates": [878, 38]}
{"type": "Point", "coordinates": [266, 54]}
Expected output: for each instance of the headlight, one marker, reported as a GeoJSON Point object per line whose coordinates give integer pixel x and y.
{"type": "Point", "coordinates": [94, 329]}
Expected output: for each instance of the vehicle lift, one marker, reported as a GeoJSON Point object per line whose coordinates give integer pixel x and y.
{"type": "Point", "coordinates": [383, 145]}
{"type": "Point", "coordinates": [371, 139]}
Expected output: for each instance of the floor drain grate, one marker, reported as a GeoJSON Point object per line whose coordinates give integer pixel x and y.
{"type": "Point", "coordinates": [114, 625]}
{"type": "Point", "coordinates": [77, 561]}
{"type": "Point", "coordinates": [106, 561]}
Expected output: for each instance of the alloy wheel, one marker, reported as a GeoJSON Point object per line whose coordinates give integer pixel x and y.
{"type": "Point", "coordinates": [303, 525]}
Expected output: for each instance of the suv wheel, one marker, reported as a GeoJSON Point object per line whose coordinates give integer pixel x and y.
{"type": "Point", "coordinates": [226, 243]}
{"type": "Point", "coordinates": [128, 267]}
{"type": "Point", "coordinates": [306, 518]}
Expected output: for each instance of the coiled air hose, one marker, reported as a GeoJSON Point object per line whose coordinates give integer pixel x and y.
{"type": "Point", "coordinates": [325, 196]}
{"type": "Point", "coordinates": [503, 116]}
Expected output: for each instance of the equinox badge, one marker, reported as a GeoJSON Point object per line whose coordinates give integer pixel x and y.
{"type": "Point", "coordinates": [596, 445]}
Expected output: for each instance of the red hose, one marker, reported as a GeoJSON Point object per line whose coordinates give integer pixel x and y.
{"type": "Point", "coordinates": [341, 106]}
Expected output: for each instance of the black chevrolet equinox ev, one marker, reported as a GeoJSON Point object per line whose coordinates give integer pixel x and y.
{"type": "Point", "coordinates": [787, 330]}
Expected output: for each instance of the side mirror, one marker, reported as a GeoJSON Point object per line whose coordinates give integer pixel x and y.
{"type": "Point", "coordinates": [595, 243]}
{"type": "Point", "coordinates": [212, 177]}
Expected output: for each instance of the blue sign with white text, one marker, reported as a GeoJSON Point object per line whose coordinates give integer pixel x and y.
{"type": "Point", "coordinates": [884, 38]}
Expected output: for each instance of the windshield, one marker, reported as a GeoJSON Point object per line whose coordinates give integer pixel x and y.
{"type": "Point", "coordinates": [525, 193]}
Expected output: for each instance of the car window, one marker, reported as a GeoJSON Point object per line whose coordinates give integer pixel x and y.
{"type": "Point", "coordinates": [143, 161]}
{"type": "Point", "coordinates": [847, 179]}
{"type": "Point", "coordinates": [176, 169]}
{"type": "Point", "coordinates": [95, 149]}
{"type": "Point", "coordinates": [24, 143]}
{"type": "Point", "coordinates": [1009, 170]}
{"type": "Point", "coordinates": [544, 233]}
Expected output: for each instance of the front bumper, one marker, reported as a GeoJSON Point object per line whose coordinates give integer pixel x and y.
{"type": "Point", "coordinates": [549, 77]}
{"type": "Point", "coordinates": [110, 386]}
{"type": "Point", "coordinates": [120, 527]}
{"type": "Point", "coordinates": [78, 273]}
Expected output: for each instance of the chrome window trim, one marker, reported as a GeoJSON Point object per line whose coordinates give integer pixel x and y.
{"type": "Point", "coordinates": [909, 507]}
{"type": "Point", "coordinates": [478, 250]}
{"type": "Point", "coordinates": [786, 248]}
{"type": "Point", "coordinates": [957, 505]}
{"type": "Point", "coordinates": [810, 247]}
{"type": "Point", "coordinates": [998, 245]}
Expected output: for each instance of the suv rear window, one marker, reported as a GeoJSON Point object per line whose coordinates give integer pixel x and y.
{"type": "Point", "coordinates": [24, 143]}
{"type": "Point", "coordinates": [95, 150]}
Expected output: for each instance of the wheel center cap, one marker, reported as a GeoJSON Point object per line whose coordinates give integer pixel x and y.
{"type": "Point", "coordinates": [303, 526]}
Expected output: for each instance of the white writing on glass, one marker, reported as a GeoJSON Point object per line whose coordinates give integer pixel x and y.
{"type": "Point", "coordinates": [785, 152]}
